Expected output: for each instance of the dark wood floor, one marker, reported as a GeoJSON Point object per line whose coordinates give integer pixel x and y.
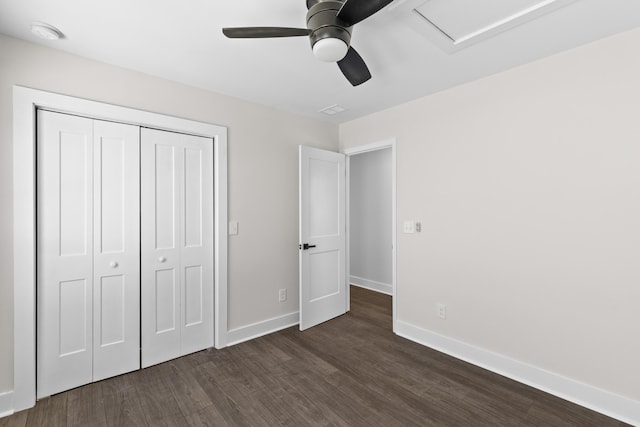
{"type": "Point", "coordinates": [351, 371]}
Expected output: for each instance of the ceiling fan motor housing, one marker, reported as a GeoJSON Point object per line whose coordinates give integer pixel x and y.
{"type": "Point", "coordinates": [323, 21]}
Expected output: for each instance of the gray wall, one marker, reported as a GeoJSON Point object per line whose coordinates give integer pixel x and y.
{"type": "Point", "coordinates": [370, 219]}
{"type": "Point", "coordinates": [262, 173]}
{"type": "Point", "coordinates": [527, 184]}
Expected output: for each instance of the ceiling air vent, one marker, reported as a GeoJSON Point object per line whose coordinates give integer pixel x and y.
{"type": "Point", "coordinates": [332, 110]}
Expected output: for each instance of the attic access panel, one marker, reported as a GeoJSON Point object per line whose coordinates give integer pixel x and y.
{"type": "Point", "coordinates": [462, 21]}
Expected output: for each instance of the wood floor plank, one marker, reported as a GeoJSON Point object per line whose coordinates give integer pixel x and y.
{"type": "Point", "coordinates": [121, 402]}
{"type": "Point", "coordinates": [208, 416]}
{"type": "Point", "coordinates": [19, 419]}
{"type": "Point", "coordinates": [350, 371]}
{"type": "Point", "coordinates": [85, 406]}
{"type": "Point", "coordinates": [187, 392]}
{"type": "Point", "coordinates": [156, 397]}
{"type": "Point", "coordinates": [52, 411]}
{"type": "Point", "coordinates": [222, 391]}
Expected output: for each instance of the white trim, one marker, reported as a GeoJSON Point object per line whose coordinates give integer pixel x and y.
{"type": "Point", "coordinates": [610, 404]}
{"type": "Point", "coordinates": [6, 404]}
{"type": "Point", "coordinates": [518, 16]}
{"type": "Point", "coordinates": [259, 329]}
{"type": "Point", "coordinates": [347, 243]}
{"type": "Point", "coordinates": [375, 146]}
{"type": "Point", "coordinates": [220, 249]}
{"type": "Point", "coordinates": [372, 285]}
{"type": "Point", "coordinates": [380, 145]}
{"type": "Point", "coordinates": [407, 12]}
{"type": "Point", "coordinates": [25, 102]}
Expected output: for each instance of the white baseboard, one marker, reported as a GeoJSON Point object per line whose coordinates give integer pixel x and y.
{"type": "Point", "coordinates": [361, 282]}
{"type": "Point", "coordinates": [6, 404]}
{"type": "Point", "coordinates": [255, 330]}
{"type": "Point", "coordinates": [607, 403]}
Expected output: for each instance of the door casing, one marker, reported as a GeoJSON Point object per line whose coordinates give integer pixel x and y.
{"type": "Point", "coordinates": [25, 103]}
{"type": "Point", "coordinates": [380, 145]}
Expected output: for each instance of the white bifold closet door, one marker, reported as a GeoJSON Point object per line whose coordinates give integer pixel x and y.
{"type": "Point", "coordinates": [176, 244]}
{"type": "Point", "coordinates": [88, 252]}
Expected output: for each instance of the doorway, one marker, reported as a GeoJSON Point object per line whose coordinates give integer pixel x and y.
{"type": "Point", "coordinates": [325, 196]}
{"type": "Point", "coordinates": [371, 219]}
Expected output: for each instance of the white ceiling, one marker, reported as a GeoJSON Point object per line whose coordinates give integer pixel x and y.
{"type": "Point", "coordinates": [408, 58]}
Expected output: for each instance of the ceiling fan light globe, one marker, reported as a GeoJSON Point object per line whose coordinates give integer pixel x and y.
{"type": "Point", "coordinates": [330, 49]}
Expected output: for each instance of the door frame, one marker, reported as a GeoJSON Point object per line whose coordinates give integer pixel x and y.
{"type": "Point", "coordinates": [348, 152]}
{"type": "Point", "coordinates": [25, 103]}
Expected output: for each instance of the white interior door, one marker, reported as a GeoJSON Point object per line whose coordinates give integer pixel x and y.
{"type": "Point", "coordinates": [88, 256]}
{"type": "Point", "coordinates": [322, 236]}
{"type": "Point", "coordinates": [176, 244]}
{"type": "Point", "coordinates": [65, 252]}
{"type": "Point", "coordinates": [196, 245]}
{"type": "Point", "coordinates": [116, 241]}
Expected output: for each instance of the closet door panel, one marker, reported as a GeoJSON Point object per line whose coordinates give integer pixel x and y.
{"type": "Point", "coordinates": [165, 192]}
{"type": "Point", "coordinates": [65, 252]}
{"type": "Point", "coordinates": [197, 244]}
{"type": "Point", "coordinates": [177, 245]}
{"type": "Point", "coordinates": [161, 168]}
{"type": "Point", "coordinates": [116, 327]}
{"type": "Point", "coordinates": [111, 309]}
{"type": "Point", "coordinates": [166, 294]}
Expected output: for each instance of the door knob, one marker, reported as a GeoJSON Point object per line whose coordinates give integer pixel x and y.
{"type": "Point", "coordinates": [162, 259]}
{"type": "Point", "coordinates": [113, 264]}
{"type": "Point", "coordinates": [306, 246]}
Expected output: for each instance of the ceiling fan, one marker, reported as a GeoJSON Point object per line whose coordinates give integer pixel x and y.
{"type": "Point", "coordinates": [329, 26]}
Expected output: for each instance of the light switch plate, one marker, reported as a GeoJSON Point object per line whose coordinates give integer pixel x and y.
{"type": "Point", "coordinates": [409, 227]}
{"type": "Point", "coordinates": [233, 227]}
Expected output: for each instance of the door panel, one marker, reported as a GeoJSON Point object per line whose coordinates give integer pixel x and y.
{"type": "Point", "coordinates": [112, 314]}
{"type": "Point", "coordinates": [88, 251]}
{"type": "Point", "coordinates": [165, 191]}
{"type": "Point", "coordinates": [323, 227]}
{"type": "Point", "coordinates": [116, 268]}
{"type": "Point", "coordinates": [324, 206]}
{"type": "Point", "coordinates": [177, 244]}
{"type": "Point", "coordinates": [110, 190]}
{"type": "Point", "coordinates": [64, 240]}
{"type": "Point", "coordinates": [160, 258]}
{"type": "Point", "coordinates": [193, 295]}
{"type": "Point", "coordinates": [324, 274]}
{"type": "Point", "coordinates": [165, 304]}
{"type": "Point", "coordinates": [74, 322]}
{"type": "Point", "coordinates": [193, 197]}
{"type": "Point", "coordinates": [196, 253]}
{"type": "Point", "coordinates": [74, 191]}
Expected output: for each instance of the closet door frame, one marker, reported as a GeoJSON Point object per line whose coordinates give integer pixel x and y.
{"type": "Point", "coordinates": [26, 102]}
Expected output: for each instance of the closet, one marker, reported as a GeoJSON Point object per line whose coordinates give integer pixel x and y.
{"type": "Point", "coordinates": [124, 248]}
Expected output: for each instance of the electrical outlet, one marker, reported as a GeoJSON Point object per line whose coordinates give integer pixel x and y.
{"type": "Point", "coordinates": [282, 295]}
{"type": "Point", "coordinates": [442, 311]}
